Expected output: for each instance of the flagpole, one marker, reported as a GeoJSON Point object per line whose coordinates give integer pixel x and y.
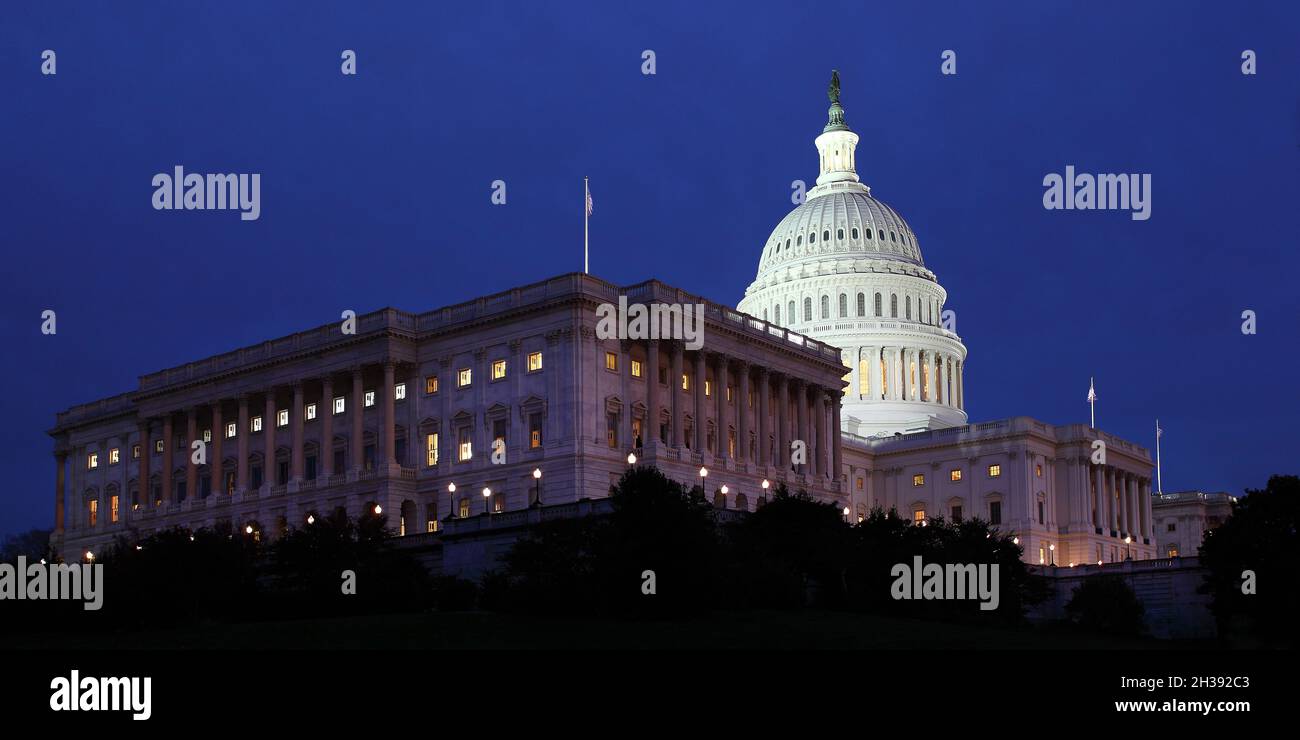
{"type": "Point", "coordinates": [586, 214]}
{"type": "Point", "coordinates": [1160, 489]}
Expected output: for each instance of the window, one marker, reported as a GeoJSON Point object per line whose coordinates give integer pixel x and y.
{"type": "Point", "coordinates": [708, 388]}
{"type": "Point", "coordinates": [839, 234]}
{"type": "Point", "coordinates": [907, 304]}
{"type": "Point", "coordinates": [431, 449]}
{"type": "Point", "coordinates": [232, 429]}
{"type": "Point", "coordinates": [310, 412]}
{"type": "Point", "coordinates": [340, 405]}
{"type": "Point", "coordinates": [636, 368]}
{"type": "Point", "coordinates": [807, 309]}
{"type": "Point", "coordinates": [790, 311]}
{"type": "Point", "coordinates": [611, 361]}
{"type": "Point", "coordinates": [844, 306]}
{"type": "Point", "coordinates": [826, 307]}
{"type": "Point", "coordinates": [463, 377]}
{"type": "Point", "coordinates": [534, 431]}
{"type": "Point", "coordinates": [1038, 470]}
{"type": "Point", "coordinates": [464, 507]}
{"type": "Point", "coordinates": [855, 232]}
{"type": "Point", "coordinates": [995, 512]}
{"type": "Point", "coordinates": [776, 315]}
{"type": "Point", "coordinates": [499, 434]}
{"type": "Point", "coordinates": [1171, 551]}
{"type": "Point", "coordinates": [636, 433]}
{"type": "Point", "coordinates": [534, 361]}
{"type": "Point", "coordinates": [1040, 512]}
{"type": "Point", "coordinates": [282, 418]}
{"type": "Point", "coordinates": [918, 516]}
{"type": "Point", "coordinates": [254, 425]}
{"type": "Point", "coordinates": [93, 512]}
{"type": "Point", "coordinates": [135, 452]}
{"type": "Point", "coordinates": [954, 475]}
{"type": "Point", "coordinates": [114, 456]}
{"type": "Point", "coordinates": [113, 504]}
{"type": "Point", "coordinates": [918, 479]}
{"type": "Point", "coordinates": [464, 446]}
{"type": "Point", "coordinates": [92, 461]}
{"type": "Point", "coordinates": [611, 430]}
{"type": "Point", "coordinates": [878, 304]}
{"type": "Point", "coordinates": [399, 392]}
{"type": "Point", "coordinates": [431, 385]}
{"type": "Point", "coordinates": [368, 399]}
{"type": "Point", "coordinates": [158, 443]}
{"type": "Point", "coordinates": [826, 235]}
{"type": "Point", "coordinates": [995, 471]}
{"type": "Point", "coordinates": [862, 305]}
{"type": "Point", "coordinates": [1172, 527]}
{"type": "Point", "coordinates": [207, 435]}
{"type": "Point", "coordinates": [498, 369]}
{"type": "Point", "coordinates": [686, 383]}
{"type": "Point", "coordinates": [893, 306]}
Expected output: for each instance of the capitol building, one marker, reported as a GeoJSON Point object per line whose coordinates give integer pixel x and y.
{"type": "Point", "coordinates": [513, 403]}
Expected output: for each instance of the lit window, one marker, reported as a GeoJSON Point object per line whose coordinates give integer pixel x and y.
{"type": "Point", "coordinates": [955, 474]}
{"type": "Point", "coordinates": [1171, 551]}
{"type": "Point", "coordinates": [231, 429]}
{"type": "Point", "coordinates": [114, 456]}
{"type": "Point", "coordinates": [534, 361]}
{"type": "Point", "coordinates": [282, 418]}
{"type": "Point", "coordinates": [431, 449]}
{"type": "Point", "coordinates": [93, 512]}
{"type": "Point", "coordinates": [918, 479]}
{"type": "Point", "coordinates": [611, 361]}
{"type": "Point", "coordinates": [399, 392]}
{"type": "Point", "coordinates": [995, 471]}
{"type": "Point", "coordinates": [368, 399]}
{"type": "Point", "coordinates": [464, 508]}
{"type": "Point", "coordinates": [311, 411]}
{"type": "Point", "coordinates": [431, 384]}
{"type": "Point", "coordinates": [1038, 470]}
{"type": "Point", "coordinates": [859, 483]}
{"type": "Point", "coordinates": [340, 404]}
{"type": "Point", "coordinates": [918, 516]}
{"type": "Point", "coordinates": [708, 387]}
{"type": "Point", "coordinates": [113, 508]}
{"type": "Point", "coordinates": [463, 378]}
{"type": "Point", "coordinates": [135, 452]}
{"type": "Point", "coordinates": [465, 447]}
{"type": "Point", "coordinates": [207, 435]}
{"type": "Point", "coordinates": [686, 382]}
{"type": "Point", "coordinates": [729, 389]}
{"type": "Point", "coordinates": [498, 369]}
{"type": "Point", "coordinates": [255, 425]}
{"type": "Point", "coordinates": [636, 368]}
{"type": "Point", "coordinates": [92, 461]}
{"type": "Point", "coordinates": [534, 431]}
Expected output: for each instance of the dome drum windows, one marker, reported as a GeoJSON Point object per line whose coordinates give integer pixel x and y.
{"type": "Point", "coordinates": [839, 234]}
{"type": "Point", "coordinates": [826, 235]}
{"type": "Point", "coordinates": [844, 306]}
{"type": "Point", "coordinates": [855, 232]}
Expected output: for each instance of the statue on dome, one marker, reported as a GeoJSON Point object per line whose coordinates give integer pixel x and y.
{"type": "Point", "coordinates": [833, 92]}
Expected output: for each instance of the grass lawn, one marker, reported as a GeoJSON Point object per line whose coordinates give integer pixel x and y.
{"type": "Point", "coordinates": [485, 630]}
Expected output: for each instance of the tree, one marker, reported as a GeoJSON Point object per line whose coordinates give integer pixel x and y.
{"type": "Point", "coordinates": [1260, 537]}
{"type": "Point", "coordinates": [1108, 605]}
{"type": "Point", "coordinates": [33, 544]}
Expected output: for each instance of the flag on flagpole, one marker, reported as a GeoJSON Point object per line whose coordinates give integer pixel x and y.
{"type": "Point", "coordinates": [1092, 391]}
{"type": "Point", "coordinates": [586, 260]}
{"type": "Point", "coordinates": [1159, 432]}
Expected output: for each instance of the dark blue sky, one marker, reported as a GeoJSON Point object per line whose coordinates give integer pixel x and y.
{"type": "Point", "coordinates": [375, 188]}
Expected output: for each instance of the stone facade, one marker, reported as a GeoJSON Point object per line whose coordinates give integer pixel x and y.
{"type": "Point", "coordinates": [1183, 518]}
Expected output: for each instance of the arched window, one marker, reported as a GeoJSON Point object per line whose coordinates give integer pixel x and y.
{"type": "Point", "coordinates": [807, 309]}
{"type": "Point", "coordinates": [878, 309]}
{"type": "Point", "coordinates": [787, 244]}
{"type": "Point", "coordinates": [765, 314]}
{"type": "Point", "coordinates": [826, 235]}
{"type": "Point", "coordinates": [855, 232]}
{"type": "Point", "coordinates": [839, 234]}
{"type": "Point", "coordinates": [790, 314]}
{"type": "Point", "coordinates": [826, 307]}
{"type": "Point", "coordinates": [893, 305]}
{"type": "Point", "coordinates": [776, 314]}
{"type": "Point", "coordinates": [880, 234]}
{"type": "Point", "coordinates": [907, 304]}
{"type": "Point", "coordinates": [862, 305]}
{"type": "Point", "coordinates": [891, 237]}
{"type": "Point", "coordinates": [844, 306]}
{"type": "Point", "coordinates": [798, 241]}
{"type": "Point", "coordinates": [812, 237]}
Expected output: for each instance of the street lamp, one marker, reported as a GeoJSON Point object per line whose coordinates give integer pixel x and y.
{"type": "Point", "coordinates": [311, 518]}
{"type": "Point", "coordinates": [724, 495]}
{"type": "Point", "coordinates": [766, 484]}
{"type": "Point", "coordinates": [704, 473]}
{"type": "Point", "coordinates": [487, 496]}
{"type": "Point", "coordinates": [631, 458]}
{"type": "Point", "coordinates": [248, 529]}
{"type": "Point", "coordinates": [378, 509]}
{"type": "Point", "coordinates": [537, 486]}
{"type": "Point", "coordinates": [90, 556]}
{"type": "Point", "coordinates": [846, 513]}
{"type": "Point", "coordinates": [451, 489]}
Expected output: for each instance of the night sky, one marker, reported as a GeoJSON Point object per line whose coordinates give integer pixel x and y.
{"type": "Point", "coordinates": [376, 188]}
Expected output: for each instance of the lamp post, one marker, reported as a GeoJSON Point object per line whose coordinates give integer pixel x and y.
{"type": "Point", "coordinates": [724, 495]}
{"type": "Point", "coordinates": [487, 496]}
{"type": "Point", "coordinates": [537, 486]}
{"type": "Point", "coordinates": [631, 458]}
{"type": "Point", "coordinates": [847, 511]}
{"type": "Point", "coordinates": [766, 484]}
{"type": "Point", "coordinates": [451, 489]}
{"type": "Point", "coordinates": [704, 473]}
{"type": "Point", "coordinates": [1052, 549]}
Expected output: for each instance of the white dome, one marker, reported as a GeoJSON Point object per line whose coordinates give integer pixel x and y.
{"type": "Point", "coordinates": [846, 269]}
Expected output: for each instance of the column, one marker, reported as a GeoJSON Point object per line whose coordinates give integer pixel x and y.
{"type": "Point", "coordinates": [626, 439]}
{"type": "Point", "coordinates": [295, 434]}
{"type": "Point", "coordinates": [1144, 491]}
{"type": "Point", "coordinates": [869, 356]}
{"type": "Point", "coordinates": [961, 385]}
{"type": "Point", "coordinates": [191, 470]}
{"type": "Point", "coordinates": [1135, 513]}
{"type": "Point", "coordinates": [818, 442]}
{"type": "Point", "coordinates": [720, 382]}
{"type": "Point", "coordinates": [697, 390]}
{"type": "Point", "coordinates": [930, 381]}
{"type": "Point", "coordinates": [142, 469]}
{"type": "Point", "coordinates": [390, 432]}
{"type": "Point", "coordinates": [764, 425]}
{"type": "Point", "coordinates": [650, 435]}
{"type": "Point", "coordinates": [836, 439]}
{"type": "Point", "coordinates": [801, 415]}
{"type": "Point", "coordinates": [855, 374]}
{"type": "Point", "coordinates": [215, 467]}
{"type": "Point", "coordinates": [169, 441]}
{"type": "Point", "coordinates": [1112, 505]}
{"type": "Point", "coordinates": [357, 444]}
{"type": "Point", "coordinates": [782, 459]}
{"type": "Point", "coordinates": [1098, 498]}
{"type": "Point", "coordinates": [677, 406]}
{"type": "Point", "coordinates": [1121, 491]}
{"type": "Point", "coordinates": [325, 449]}
{"type": "Point", "coordinates": [60, 484]}
{"type": "Point", "coordinates": [742, 414]}
{"type": "Point", "coordinates": [269, 467]}
{"type": "Point", "coordinates": [241, 443]}
{"type": "Point", "coordinates": [895, 376]}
